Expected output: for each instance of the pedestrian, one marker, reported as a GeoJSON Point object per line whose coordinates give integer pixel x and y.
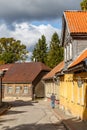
{"type": "Point", "coordinates": [53, 100]}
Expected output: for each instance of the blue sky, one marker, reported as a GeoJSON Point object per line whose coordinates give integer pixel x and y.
{"type": "Point", "coordinates": [27, 20]}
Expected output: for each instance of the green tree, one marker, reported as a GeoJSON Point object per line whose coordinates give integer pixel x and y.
{"type": "Point", "coordinates": [83, 5]}
{"type": "Point", "coordinates": [55, 53]}
{"type": "Point", "coordinates": [40, 51]}
{"type": "Point", "coordinates": [12, 50]}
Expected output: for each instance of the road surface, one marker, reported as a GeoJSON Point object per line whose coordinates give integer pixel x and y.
{"type": "Point", "coordinates": [27, 115]}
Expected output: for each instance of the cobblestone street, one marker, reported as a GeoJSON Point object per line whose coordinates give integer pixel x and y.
{"type": "Point", "coordinates": [26, 115]}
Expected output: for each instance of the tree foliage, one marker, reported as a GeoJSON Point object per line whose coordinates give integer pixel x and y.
{"type": "Point", "coordinates": [55, 53]}
{"type": "Point", "coordinates": [83, 5]}
{"type": "Point", "coordinates": [12, 50]}
{"type": "Point", "coordinates": [50, 56]}
{"type": "Point", "coordinates": [40, 51]}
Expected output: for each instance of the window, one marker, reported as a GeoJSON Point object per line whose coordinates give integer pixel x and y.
{"type": "Point", "coordinates": [25, 89]}
{"type": "Point", "coordinates": [9, 90]}
{"type": "Point", "coordinates": [70, 51]}
{"type": "Point", "coordinates": [17, 89]}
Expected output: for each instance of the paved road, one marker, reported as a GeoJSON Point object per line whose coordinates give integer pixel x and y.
{"type": "Point", "coordinates": [26, 115]}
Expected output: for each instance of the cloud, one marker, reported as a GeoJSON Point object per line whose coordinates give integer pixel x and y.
{"type": "Point", "coordinates": [28, 33]}
{"type": "Point", "coordinates": [30, 10]}
{"type": "Point", "coordinates": [27, 20]}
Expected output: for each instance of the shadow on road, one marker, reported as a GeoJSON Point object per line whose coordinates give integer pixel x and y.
{"type": "Point", "coordinates": [18, 103]}
{"type": "Point", "coordinates": [10, 112]}
{"type": "Point", "coordinates": [34, 127]}
{"type": "Point", "coordinates": [2, 121]}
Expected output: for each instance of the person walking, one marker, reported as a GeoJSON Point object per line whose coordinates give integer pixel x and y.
{"type": "Point", "coordinates": [53, 100]}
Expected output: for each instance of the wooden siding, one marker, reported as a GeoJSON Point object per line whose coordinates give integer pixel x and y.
{"type": "Point", "coordinates": [20, 94]}
{"type": "Point", "coordinates": [51, 87]}
{"type": "Point", "coordinates": [78, 47]}
{"type": "Point", "coordinates": [73, 96]}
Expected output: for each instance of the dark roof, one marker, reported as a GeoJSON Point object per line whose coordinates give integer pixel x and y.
{"type": "Point", "coordinates": [23, 72]}
{"type": "Point", "coordinates": [6, 67]}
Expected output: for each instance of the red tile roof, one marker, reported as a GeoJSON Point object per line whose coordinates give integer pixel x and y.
{"type": "Point", "coordinates": [24, 72]}
{"type": "Point", "coordinates": [56, 69]}
{"type": "Point", "coordinates": [77, 21]}
{"type": "Point", "coordinates": [79, 59]}
{"type": "Point", "coordinates": [5, 67]}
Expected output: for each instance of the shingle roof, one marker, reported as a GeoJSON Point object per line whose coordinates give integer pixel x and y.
{"type": "Point", "coordinates": [5, 67]}
{"type": "Point", "coordinates": [76, 21]}
{"type": "Point", "coordinates": [24, 72]}
{"type": "Point", "coordinates": [56, 69]}
{"type": "Point", "coordinates": [79, 59]}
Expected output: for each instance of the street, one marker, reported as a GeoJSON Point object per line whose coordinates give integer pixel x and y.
{"type": "Point", "coordinates": [27, 115]}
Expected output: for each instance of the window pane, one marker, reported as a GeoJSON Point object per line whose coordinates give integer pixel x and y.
{"type": "Point", "coordinates": [25, 89]}
{"type": "Point", "coordinates": [18, 89]}
{"type": "Point", "coordinates": [70, 51]}
{"type": "Point", "coordinates": [67, 52]}
{"type": "Point", "coordinates": [9, 89]}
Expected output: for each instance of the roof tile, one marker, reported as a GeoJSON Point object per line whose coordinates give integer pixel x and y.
{"type": "Point", "coordinates": [56, 69]}
{"type": "Point", "coordinates": [77, 21]}
{"type": "Point", "coordinates": [24, 72]}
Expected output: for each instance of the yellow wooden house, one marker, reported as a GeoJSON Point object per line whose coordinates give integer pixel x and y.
{"type": "Point", "coordinates": [73, 82]}
{"type": "Point", "coordinates": [52, 83]}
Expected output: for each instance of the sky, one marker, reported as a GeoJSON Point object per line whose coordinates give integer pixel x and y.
{"type": "Point", "coordinates": [27, 20]}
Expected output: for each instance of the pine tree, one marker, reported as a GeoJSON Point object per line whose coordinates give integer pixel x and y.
{"type": "Point", "coordinates": [40, 51]}
{"type": "Point", "coordinates": [55, 53]}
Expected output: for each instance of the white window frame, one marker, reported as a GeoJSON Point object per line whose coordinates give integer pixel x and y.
{"type": "Point", "coordinates": [26, 90]}
{"type": "Point", "coordinates": [9, 89]}
{"type": "Point", "coordinates": [17, 89]}
{"type": "Point", "coordinates": [70, 51]}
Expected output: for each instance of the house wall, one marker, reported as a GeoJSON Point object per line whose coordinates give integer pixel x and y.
{"type": "Point", "coordinates": [40, 90]}
{"type": "Point", "coordinates": [78, 47]}
{"type": "Point", "coordinates": [14, 93]}
{"type": "Point", "coordinates": [38, 86]}
{"type": "Point", "coordinates": [51, 87]}
{"type": "Point", "coordinates": [73, 99]}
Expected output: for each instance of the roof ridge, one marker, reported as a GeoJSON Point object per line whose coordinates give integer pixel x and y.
{"type": "Point", "coordinates": [75, 11]}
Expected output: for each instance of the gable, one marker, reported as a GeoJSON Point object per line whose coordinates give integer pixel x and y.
{"type": "Point", "coordinates": [74, 25]}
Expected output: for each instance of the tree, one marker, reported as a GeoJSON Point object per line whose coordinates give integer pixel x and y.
{"type": "Point", "coordinates": [12, 50]}
{"type": "Point", "coordinates": [83, 5]}
{"type": "Point", "coordinates": [40, 51]}
{"type": "Point", "coordinates": [55, 53]}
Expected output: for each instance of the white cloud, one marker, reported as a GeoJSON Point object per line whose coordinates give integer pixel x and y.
{"type": "Point", "coordinates": [28, 33]}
